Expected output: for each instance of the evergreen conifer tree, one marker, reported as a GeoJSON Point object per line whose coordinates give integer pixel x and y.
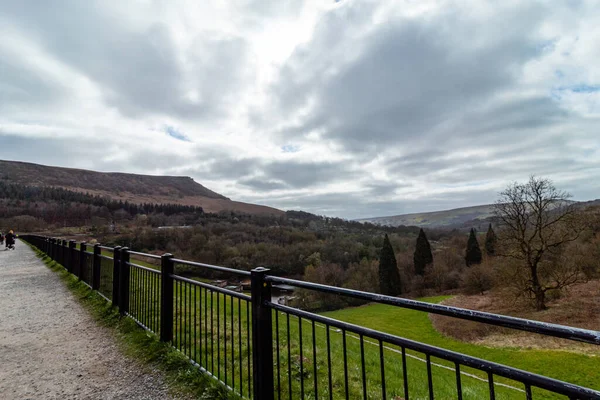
{"type": "Point", "coordinates": [490, 242]}
{"type": "Point", "coordinates": [473, 253]}
{"type": "Point", "coordinates": [389, 277]}
{"type": "Point", "coordinates": [422, 256]}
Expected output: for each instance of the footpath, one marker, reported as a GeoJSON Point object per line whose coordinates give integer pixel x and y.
{"type": "Point", "coordinates": [51, 348]}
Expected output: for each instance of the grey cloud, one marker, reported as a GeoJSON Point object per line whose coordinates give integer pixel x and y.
{"type": "Point", "coordinates": [84, 153]}
{"type": "Point", "coordinates": [138, 72]}
{"type": "Point", "coordinates": [262, 185]}
{"type": "Point", "coordinates": [304, 174]}
{"type": "Point", "coordinates": [218, 164]}
{"type": "Point", "coordinates": [410, 79]}
{"type": "Point", "coordinates": [20, 89]}
{"type": "Point", "coordinates": [384, 188]}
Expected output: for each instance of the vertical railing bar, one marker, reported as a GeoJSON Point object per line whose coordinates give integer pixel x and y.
{"type": "Point", "coordinates": [528, 391]}
{"type": "Point", "coordinates": [232, 345]}
{"type": "Point", "coordinates": [156, 302]}
{"type": "Point", "coordinates": [206, 328]}
{"type": "Point", "coordinates": [212, 336]}
{"type": "Point", "coordinates": [329, 363]}
{"type": "Point", "coordinates": [196, 325]}
{"type": "Point", "coordinates": [301, 358]}
{"type": "Point", "coordinates": [186, 319]}
{"type": "Point", "coordinates": [136, 293]}
{"type": "Point", "coordinates": [219, 335]}
{"type": "Point", "coordinates": [362, 365]}
{"type": "Point", "coordinates": [148, 290]}
{"type": "Point", "coordinates": [142, 297]}
{"type": "Point", "coordinates": [177, 312]}
{"type": "Point", "coordinates": [189, 315]}
{"type": "Point", "coordinates": [148, 296]}
{"type": "Point", "coordinates": [345, 350]}
{"type": "Point", "coordinates": [404, 373]}
{"type": "Point", "coordinates": [382, 365]}
{"type": "Point", "coordinates": [458, 381]}
{"type": "Point", "coordinates": [314, 346]}
{"type": "Point", "coordinates": [277, 355]}
{"type": "Point", "coordinates": [240, 346]}
{"type": "Point", "coordinates": [429, 378]}
{"type": "Point", "coordinates": [250, 349]}
{"type": "Point", "coordinates": [491, 385]}
{"type": "Point", "coordinates": [225, 336]}
{"type": "Point", "coordinates": [289, 358]}
{"type": "Point", "coordinates": [181, 320]}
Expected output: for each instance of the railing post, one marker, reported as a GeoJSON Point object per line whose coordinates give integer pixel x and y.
{"type": "Point", "coordinates": [71, 255]}
{"type": "Point", "coordinates": [116, 275]}
{"type": "Point", "coordinates": [60, 248]}
{"type": "Point", "coordinates": [262, 336]}
{"type": "Point", "coordinates": [82, 249]}
{"type": "Point", "coordinates": [50, 248]}
{"type": "Point", "coordinates": [124, 282]}
{"type": "Point", "coordinates": [64, 253]}
{"type": "Point", "coordinates": [96, 267]}
{"type": "Point", "coordinates": [166, 297]}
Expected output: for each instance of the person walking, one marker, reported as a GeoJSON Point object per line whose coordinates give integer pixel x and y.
{"type": "Point", "coordinates": [10, 240]}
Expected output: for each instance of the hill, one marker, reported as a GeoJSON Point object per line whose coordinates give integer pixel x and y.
{"type": "Point", "coordinates": [455, 218]}
{"type": "Point", "coordinates": [134, 188]}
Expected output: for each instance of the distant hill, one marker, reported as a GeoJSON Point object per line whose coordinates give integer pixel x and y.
{"type": "Point", "coordinates": [465, 217]}
{"type": "Point", "coordinates": [131, 187]}
{"type": "Point", "coordinates": [455, 218]}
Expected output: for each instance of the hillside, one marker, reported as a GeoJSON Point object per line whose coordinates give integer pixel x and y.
{"type": "Point", "coordinates": [455, 218]}
{"type": "Point", "coordinates": [131, 187]}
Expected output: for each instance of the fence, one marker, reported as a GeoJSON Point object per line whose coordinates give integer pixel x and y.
{"type": "Point", "coordinates": [264, 350]}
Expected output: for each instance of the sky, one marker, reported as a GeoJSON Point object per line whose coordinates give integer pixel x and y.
{"type": "Point", "coordinates": [348, 108]}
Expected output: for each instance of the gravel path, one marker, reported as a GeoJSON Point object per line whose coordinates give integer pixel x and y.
{"type": "Point", "coordinates": [51, 348]}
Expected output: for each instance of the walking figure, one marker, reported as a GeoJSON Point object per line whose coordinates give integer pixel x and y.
{"type": "Point", "coordinates": [10, 240]}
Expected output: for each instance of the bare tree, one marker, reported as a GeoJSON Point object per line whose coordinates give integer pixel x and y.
{"type": "Point", "coordinates": [536, 221]}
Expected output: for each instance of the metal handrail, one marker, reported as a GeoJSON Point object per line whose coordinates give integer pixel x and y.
{"type": "Point", "coordinates": [561, 331]}
{"type": "Point", "coordinates": [213, 267]}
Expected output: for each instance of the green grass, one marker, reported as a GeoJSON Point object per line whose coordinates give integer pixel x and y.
{"type": "Point", "coordinates": [299, 372]}
{"type": "Point", "coordinates": [204, 331]}
{"type": "Point", "coordinates": [572, 367]}
{"type": "Point", "coordinates": [181, 376]}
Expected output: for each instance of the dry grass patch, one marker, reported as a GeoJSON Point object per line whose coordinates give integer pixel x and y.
{"type": "Point", "coordinates": [578, 307]}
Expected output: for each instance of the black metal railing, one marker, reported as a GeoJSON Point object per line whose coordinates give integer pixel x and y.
{"type": "Point", "coordinates": [260, 349]}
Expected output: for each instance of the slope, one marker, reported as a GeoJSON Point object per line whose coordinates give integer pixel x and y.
{"type": "Point", "coordinates": [134, 188]}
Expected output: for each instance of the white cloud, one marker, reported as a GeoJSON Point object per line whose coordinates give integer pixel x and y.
{"type": "Point", "coordinates": [354, 108]}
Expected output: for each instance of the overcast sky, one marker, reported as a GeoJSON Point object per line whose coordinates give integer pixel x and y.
{"type": "Point", "coordinates": [351, 109]}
